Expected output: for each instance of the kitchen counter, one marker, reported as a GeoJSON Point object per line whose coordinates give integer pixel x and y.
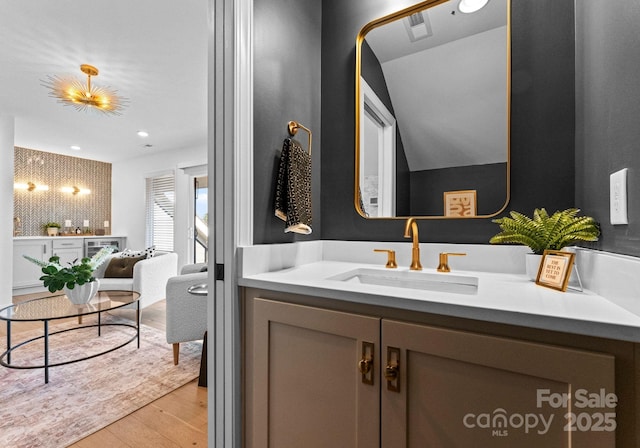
{"type": "Point", "coordinates": [83, 235]}
{"type": "Point", "coordinates": [505, 295]}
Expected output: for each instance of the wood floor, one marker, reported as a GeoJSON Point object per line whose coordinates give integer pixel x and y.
{"type": "Point", "coordinates": [179, 419]}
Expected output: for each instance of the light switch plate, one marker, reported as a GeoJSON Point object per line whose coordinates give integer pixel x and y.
{"type": "Point", "coordinates": [618, 197]}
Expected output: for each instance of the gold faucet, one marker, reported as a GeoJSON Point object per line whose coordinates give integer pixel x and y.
{"type": "Point", "coordinates": [411, 228]}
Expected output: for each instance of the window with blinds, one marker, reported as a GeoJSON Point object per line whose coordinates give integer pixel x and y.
{"type": "Point", "coordinates": [160, 205]}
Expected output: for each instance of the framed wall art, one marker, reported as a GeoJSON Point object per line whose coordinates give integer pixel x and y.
{"type": "Point", "coordinates": [461, 203]}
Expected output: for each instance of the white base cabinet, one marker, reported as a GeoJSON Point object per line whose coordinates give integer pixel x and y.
{"type": "Point", "coordinates": [26, 273]}
{"type": "Point", "coordinates": [321, 378]}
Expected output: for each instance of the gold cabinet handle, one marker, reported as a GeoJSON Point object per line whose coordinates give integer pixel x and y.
{"type": "Point", "coordinates": [392, 370]}
{"type": "Point", "coordinates": [365, 365]}
{"type": "Point", "coordinates": [391, 373]}
{"type": "Point", "coordinates": [391, 258]}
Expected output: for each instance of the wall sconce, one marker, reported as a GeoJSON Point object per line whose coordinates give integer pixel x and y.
{"type": "Point", "coordinates": [30, 186]}
{"type": "Point", "coordinates": [75, 190]}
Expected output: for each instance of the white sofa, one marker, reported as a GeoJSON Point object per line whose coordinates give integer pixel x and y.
{"type": "Point", "coordinates": [186, 313]}
{"type": "Point", "coordinates": [149, 277]}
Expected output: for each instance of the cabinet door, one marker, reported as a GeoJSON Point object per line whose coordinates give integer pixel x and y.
{"type": "Point", "coordinates": [68, 256]}
{"type": "Point", "coordinates": [26, 273]}
{"type": "Point", "coordinates": [457, 389]}
{"type": "Point", "coordinates": [69, 250]}
{"type": "Point", "coordinates": [305, 385]}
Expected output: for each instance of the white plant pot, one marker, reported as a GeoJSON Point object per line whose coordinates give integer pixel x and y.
{"type": "Point", "coordinates": [532, 262]}
{"type": "Point", "coordinates": [82, 294]}
{"type": "Point", "coordinates": [52, 231]}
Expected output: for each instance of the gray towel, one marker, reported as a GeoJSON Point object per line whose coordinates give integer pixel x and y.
{"type": "Point", "coordinates": [293, 188]}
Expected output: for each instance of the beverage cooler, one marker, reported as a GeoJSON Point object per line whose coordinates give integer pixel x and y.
{"type": "Point", "coordinates": [93, 245]}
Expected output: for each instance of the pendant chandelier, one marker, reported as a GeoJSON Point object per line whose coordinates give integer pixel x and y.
{"type": "Point", "coordinates": [72, 92]}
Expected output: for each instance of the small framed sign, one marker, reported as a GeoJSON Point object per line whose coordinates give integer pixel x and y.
{"type": "Point", "coordinates": [461, 203]}
{"type": "Point", "coordinates": [555, 269]}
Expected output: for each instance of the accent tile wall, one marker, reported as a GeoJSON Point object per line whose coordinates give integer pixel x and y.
{"type": "Point", "coordinates": [35, 208]}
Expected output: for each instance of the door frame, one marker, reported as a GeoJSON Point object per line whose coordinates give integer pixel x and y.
{"type": "Point", "coordinates": [370, 103]}
{"type": "Point", "coordinates": [230, 171]}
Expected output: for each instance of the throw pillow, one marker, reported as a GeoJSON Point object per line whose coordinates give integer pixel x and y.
{"type": "Point", "coordinates": [149, 252]}
{"type": "Point", "coordinates": [121, 267]}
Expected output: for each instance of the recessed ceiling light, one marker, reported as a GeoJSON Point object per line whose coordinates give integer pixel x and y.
{"type": "Point", "coordinates": [469, 6]}
{"type": "Point", "coordinates": [143, 134]}
{"type": "Point", "coordinates": [76, 148]}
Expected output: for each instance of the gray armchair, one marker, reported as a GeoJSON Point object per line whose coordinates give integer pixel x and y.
{"type": "Point", "coordinates": [186, 312]}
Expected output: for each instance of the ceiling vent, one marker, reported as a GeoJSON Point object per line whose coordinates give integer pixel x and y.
{"type": "Point", "coordinates": [418, 26]}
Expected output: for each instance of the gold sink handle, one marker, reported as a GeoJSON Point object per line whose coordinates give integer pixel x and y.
{"type": "Point", "coordinates": [391, 258]}
{"type": "Point", "coordinates": [443, 265]}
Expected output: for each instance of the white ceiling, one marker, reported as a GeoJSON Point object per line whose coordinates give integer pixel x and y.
{"type": "Point", "coordinates": [153, 52]}
{"type": "Point", "coordinates": [447, 24]}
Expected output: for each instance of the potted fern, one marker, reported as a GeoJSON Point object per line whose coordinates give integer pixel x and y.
{"type": "Point", "coordinates": [543, 232]}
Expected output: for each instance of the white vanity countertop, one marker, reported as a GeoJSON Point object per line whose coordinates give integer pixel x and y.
{"type": "Point", "coordinates": [508, 298]}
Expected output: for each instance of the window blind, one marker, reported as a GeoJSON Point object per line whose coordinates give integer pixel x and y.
{"type": "Point", "coordinates": [160, 206]}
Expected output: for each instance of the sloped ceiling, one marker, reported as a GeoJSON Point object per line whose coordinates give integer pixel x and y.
{"type": "Point", "coordinates": [449, 90]}
{"type": "Point", "coordinates": [152, 52]}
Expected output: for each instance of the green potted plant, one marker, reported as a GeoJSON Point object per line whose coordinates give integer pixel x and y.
{"type": "Point", "coordinates": [76, 279]}
{"type": "Point", "coordinates": [52, 228]}
{"type": "Point", "coordinates": [543, 232]}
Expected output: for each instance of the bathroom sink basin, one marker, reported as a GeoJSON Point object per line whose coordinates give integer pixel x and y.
{"type": "Point", "coordinates": [458, 284]}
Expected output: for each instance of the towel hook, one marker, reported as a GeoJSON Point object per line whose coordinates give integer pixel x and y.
{"type": "Point", "coordinates": [293, 127]}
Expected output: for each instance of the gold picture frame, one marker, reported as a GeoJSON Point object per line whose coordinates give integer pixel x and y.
{"type": "Point", "coordinates": [460, 203]}
{"type": "Point", "coordinates": [555, 269]}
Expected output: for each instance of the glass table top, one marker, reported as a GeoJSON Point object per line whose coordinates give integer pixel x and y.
{"type": "Point", "coordinates": [57, 306]}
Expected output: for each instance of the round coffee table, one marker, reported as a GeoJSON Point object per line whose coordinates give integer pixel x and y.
{"type": "Point", "coordinates": [57, 307]}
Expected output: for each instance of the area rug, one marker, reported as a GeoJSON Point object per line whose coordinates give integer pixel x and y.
{"type": "Point", "coordinates": [86, 396]}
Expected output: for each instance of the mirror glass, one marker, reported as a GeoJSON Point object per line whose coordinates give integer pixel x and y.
{"type": "Point", "coordinates": [432, 112]}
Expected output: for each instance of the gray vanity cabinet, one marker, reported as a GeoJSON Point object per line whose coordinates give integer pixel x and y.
{"type": "Point", "coordinates": [462, 389]}
{"type": "Point", "coordinates": [427, 386]}
{"type": "Point", "coordinates": [303, 382]}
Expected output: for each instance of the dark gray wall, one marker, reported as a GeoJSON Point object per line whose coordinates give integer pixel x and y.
{"type": "Point", "coordinates": [489, 181]}
{"type": "Point", "coordinates": [542, 122]}
{"type": "Point", "coordinates": [607, 114]}
{"type": "Point", "coordinates": [287, 73]}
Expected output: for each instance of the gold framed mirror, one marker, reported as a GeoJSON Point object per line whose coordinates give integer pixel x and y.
{"type": "Point", "coordinates": [432, 118]}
